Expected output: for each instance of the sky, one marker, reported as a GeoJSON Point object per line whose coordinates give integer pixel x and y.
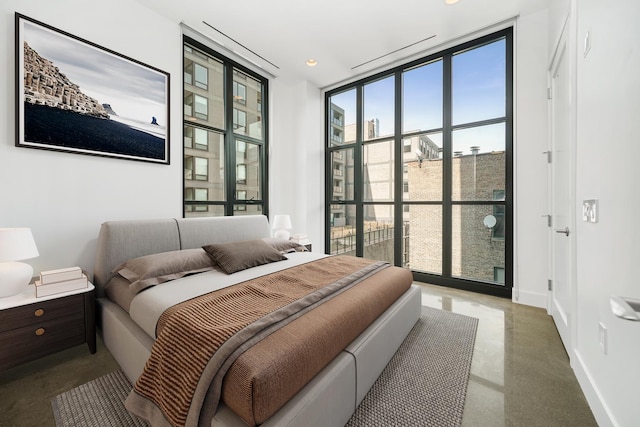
{"type": "Point", "coordinates": [133, 91]}
{"type": "Point", "coordinates": [478, 94]}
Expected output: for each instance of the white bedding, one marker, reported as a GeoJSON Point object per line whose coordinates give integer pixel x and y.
{"type": "Point", "coordinates": [147, 307]}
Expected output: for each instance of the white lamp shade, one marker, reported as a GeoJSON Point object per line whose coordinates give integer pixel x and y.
{"type": "Point", "coordinates": [281, 222]}
{"type": "Point", "coordinates": [17, 244]}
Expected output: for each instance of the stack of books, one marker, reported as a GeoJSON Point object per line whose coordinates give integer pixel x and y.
{"type": "Point", "coordinates": [63, 280]}
{"type": "Point", "coordinates": [300, 239]}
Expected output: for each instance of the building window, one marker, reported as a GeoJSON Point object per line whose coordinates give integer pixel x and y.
{"type": "Point", "coordinates": [197, 194]}
{"type": "Point", "coordinates": [240, 195]}
{"type": "Point", "coordinates": [239, 120]}
{"type": "Point", "coordinates": [196, 168]}
{"type": "Point", "coordinates": [220, 180]}
{"type": "Point", "coordinates": [241, 173]}
{"type": "Point", "coordinates": [239, 93]}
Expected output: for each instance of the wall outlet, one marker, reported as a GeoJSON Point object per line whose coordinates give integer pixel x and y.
{"type": "Point", "coordinates": [602, 337]}
{"type": "Point", "coordinates": [590, 210]}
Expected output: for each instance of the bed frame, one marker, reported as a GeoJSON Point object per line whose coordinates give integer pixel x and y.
{"type": "Point", "coordinates": [328, 400]}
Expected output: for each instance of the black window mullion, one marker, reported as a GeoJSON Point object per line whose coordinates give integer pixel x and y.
{"type": "Point", "coordinates": [358, 172]}
{"type": "Point", "coordinates": [264, 160]}
{"type": "Point", "coordinates": [229, 141]}
{"type": "Point", "coordinates": [328, 175]}
{"type": "Point", "coordinates": [509, 190]}
{"type": "Point", "coordinates": [447, 155]}
{"type": "Point", "coordinates": [398, 191]}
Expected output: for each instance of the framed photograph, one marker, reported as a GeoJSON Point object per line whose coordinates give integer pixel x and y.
{"type": "Point", "coordinates": [75, 96]}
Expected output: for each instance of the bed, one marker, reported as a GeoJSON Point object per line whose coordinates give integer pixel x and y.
{"type": "Point", "coordinates": [330, 396]}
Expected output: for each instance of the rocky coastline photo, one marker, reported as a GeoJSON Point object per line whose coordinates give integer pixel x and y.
{"type": "Point", "coordinates": [88, 102]}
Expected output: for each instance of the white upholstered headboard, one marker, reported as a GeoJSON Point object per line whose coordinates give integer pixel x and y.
{"type": "Point", "coordinates": [119, 241]}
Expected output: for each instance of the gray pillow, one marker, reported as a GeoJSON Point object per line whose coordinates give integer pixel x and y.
{"type": "Point", "coordinates": [236, 256]}
{"type": "Point", "coordinates": [284, 246]}
{"type": "Point", "coordinates": [150, 270]}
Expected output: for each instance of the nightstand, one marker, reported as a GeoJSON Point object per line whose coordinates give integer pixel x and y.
{"type": "Point", "coordinates": [32, 327]}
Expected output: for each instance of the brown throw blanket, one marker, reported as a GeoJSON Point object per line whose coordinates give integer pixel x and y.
{"type": "Point", "coordinates": [199, 339]}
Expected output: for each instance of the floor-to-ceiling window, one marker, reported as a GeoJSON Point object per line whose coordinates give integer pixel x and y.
{"type": "Point", "coordinates": [419, 166]}
{"type": "Point", "coordinates": [225, 128]}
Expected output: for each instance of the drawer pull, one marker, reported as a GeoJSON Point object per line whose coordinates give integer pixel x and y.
{"type": "Point", "coordinates": [40, 331]}
{"type": "Point", "coordinates": [39, 312]}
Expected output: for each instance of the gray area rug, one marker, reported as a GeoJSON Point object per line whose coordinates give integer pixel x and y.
{"type": "Point", "coordinates": [424, 384]}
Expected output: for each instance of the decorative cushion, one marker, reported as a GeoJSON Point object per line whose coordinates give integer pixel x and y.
{"type": "Point", "coordinates": [236, 256]}
{"type": "Point", "coordinates": [284, 246]}
{"type": "Point", "coordinates": [150, 270]}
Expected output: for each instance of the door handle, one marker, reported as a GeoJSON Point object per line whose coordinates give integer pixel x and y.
{"type": "Point", "coordinates": [564, 230]}
{"type": "Point", "coordinates": [625, 308]}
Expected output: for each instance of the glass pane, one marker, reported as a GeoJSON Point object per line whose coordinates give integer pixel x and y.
{"type": "Point", "coordinates": [247, 104]}
{"type": "Point", "coordinates": [422, 238]}
{"type": "Point", "coordinates": [343, 178]}
{"type": "Point", "coordinates": [203, 88]}
{"type": "Point", "coordinates": [248, 172]}
{"type": "Point", "coordinates": [379, 109]}
{"type": "Point", "coordinates": [422, 162]}
{"type": "Point", "coordinates": [378, 171]}
{"type": "Point", "coordinates": [342, 121]}
{"type": "Point", "coordinates": [343, 230]}
{"type": "Point", "coordinates": [247, 210]}
{"type": "Point", "coordinates": [475, 253]}
{"type": "Point", "coordinates": [378, 232]}
{"type": "Point", "coordinates": [193, 211]}
{"type": "Point", "coordinates": [203, 164]}
{"type": "Point", "coordinates": [422, 98]}
{"type": "Point", "coordinates": [479, 83]}
{"type": "Point", "coordinates": [478, 164]}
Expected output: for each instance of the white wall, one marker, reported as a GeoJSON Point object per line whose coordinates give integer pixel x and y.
{"type": "Point", "coordinates": [296, 162]}
{"type": "Point", "coordinates": [65, 197]}
{"type": "Point", "coordinates": [608, 149]}
{"type": "Point", "coordinates": [530, 164]}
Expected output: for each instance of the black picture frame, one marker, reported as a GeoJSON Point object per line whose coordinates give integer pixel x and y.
{"type": "Point", "coordinates": [75, 96]}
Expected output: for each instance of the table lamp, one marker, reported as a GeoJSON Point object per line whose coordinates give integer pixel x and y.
{"type": "Point", "coordinates": [16, 244]}
{"type": "Point", "coordinates": [281, 225]}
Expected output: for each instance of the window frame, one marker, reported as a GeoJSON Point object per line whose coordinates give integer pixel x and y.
{"type": "Point", "coordinates": [445, 278]}
{"type": "Point", "coordinates": [230, 202]}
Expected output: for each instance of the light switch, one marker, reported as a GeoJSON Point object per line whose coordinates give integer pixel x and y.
{"type": "Point", "coordinates": [602, 337]}
{"type": "Point", "coordinates": [590, 210]}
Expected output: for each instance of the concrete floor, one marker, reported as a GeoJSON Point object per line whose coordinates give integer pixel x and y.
{"type": "Point", "coordinates": [520, 375]}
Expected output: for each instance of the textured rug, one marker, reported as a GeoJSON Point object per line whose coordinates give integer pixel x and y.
{"type": "Point", "coordinates": [424, 384]}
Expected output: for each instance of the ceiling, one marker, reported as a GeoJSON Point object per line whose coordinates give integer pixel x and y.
{"type": "Point", "coordinates": [347, 38]}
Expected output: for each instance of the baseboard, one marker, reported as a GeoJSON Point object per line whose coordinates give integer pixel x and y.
{"type": "Point", "coordinates": [534, 299]}
{"type": "Point", "coordinates": [599, 408]}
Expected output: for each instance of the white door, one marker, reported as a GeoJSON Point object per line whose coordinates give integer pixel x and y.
{"type": "Point", "coordinates": [561, 193]}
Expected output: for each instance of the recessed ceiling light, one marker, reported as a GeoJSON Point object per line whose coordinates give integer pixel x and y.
{"type": "Point", "coordinates": [312, 62]}
{"type": "Point", "coordinates": [451, 1]}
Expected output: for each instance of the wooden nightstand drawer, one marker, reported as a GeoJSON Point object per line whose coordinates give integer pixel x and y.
{"type": "Point", "coordinates": [39, 339]}
{"type": "Point", "coordinates": [40, 312]}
